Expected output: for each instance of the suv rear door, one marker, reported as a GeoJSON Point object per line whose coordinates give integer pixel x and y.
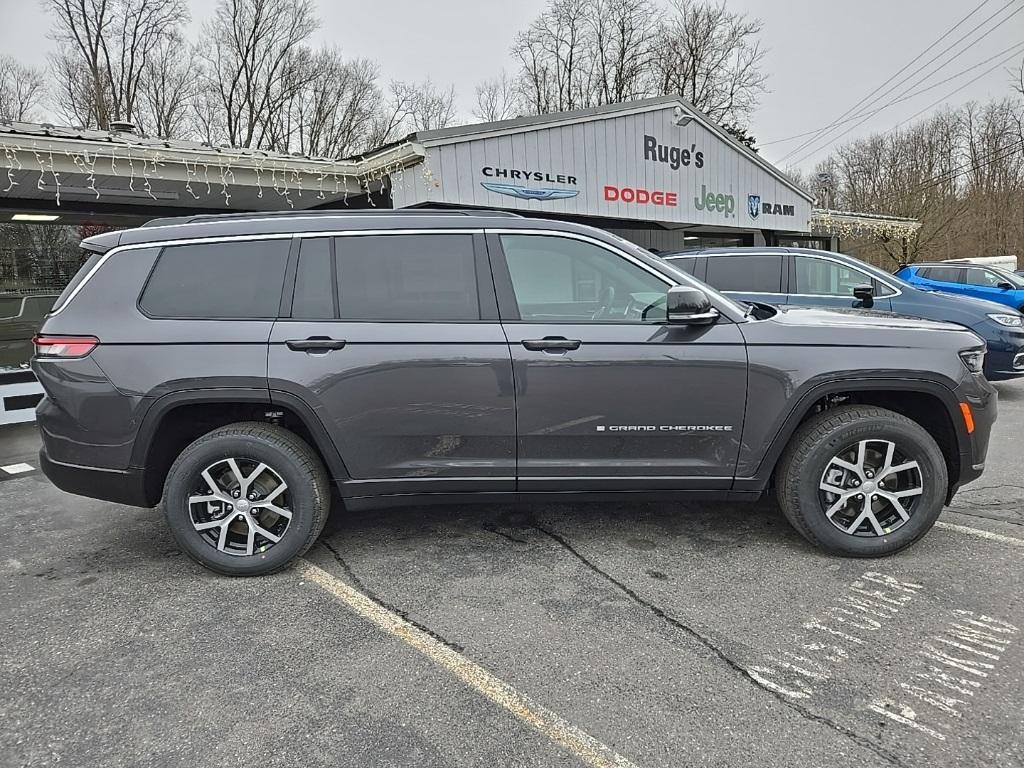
{"type": "Point", "coordinates": [606, 399]}
{"type": "Point", "coordinates": [393, 339]}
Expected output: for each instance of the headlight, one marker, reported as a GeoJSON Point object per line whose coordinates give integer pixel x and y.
{"type": "Point", "coordinates": [1013, 321]}
{"type": "Point", "coordinates": [974, 359]}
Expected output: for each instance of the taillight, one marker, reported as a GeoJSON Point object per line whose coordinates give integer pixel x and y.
{"type": "Point", "coordinates": [64, 346]}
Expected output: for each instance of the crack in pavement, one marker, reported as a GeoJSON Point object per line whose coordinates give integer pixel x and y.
{"type": "Point", "coordinates": [718, 652]}
{"type": "Point", "coordinates": [986, 517]}
{"type": "Point", "coordinates": [358, 583]}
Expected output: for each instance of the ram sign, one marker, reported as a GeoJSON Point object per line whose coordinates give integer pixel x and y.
{"type": "Point", "coordinates": [637, 161]}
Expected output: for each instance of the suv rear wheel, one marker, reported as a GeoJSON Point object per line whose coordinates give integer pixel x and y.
{"type": "Point", "coordinates": [246, 499]}
{"type": "Point", "coordinates": [862, 481]}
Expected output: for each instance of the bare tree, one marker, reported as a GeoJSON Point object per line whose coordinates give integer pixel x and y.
{"type": "Point", "coordinates": [167, 89]}
{"type": "Point", "coordinates": [622, 33]}
{"type": "Point", "coordinates": [330, 112]}
{"type": "Point", "coordinates": [496, 99]}
{"type": "Point", "coordinates": [711, 57]}
{"type": "Point", "coordinates": [249, 50]}
{"type": "Point", "coordinates": [556, 56]}
{"type": "Point", "coordinates": [105, 47]}
{"type": "Point", "coordinates": [21, 90]}
{"type": "Point", "coordinates": [412, 107]}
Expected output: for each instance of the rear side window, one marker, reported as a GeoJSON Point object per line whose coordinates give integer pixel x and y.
{"type": "Point", "coordinates": [940, 274]}
{"type": "Point", "coordinates": [213, 280]}
{"type": "Point", "coordinates": [687, 263]}
{"type": "Point", "coordinates": [750, 274]}
{"type": "Point", "coordinates": [407, 277]}
{"type": "Point", "coordinates": [85, 269]}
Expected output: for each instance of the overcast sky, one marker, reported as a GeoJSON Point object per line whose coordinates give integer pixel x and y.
{"type": "Point", "coordinates": [823, 57]}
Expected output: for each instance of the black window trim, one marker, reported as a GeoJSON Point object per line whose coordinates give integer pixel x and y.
{"type": "Point", "coordinates": [486, 299]}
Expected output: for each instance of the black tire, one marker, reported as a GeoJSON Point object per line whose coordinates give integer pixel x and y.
{"type": "Point", "coordinates": [286, 455]}
{"type": "Point", "coordinates": [824, 436]}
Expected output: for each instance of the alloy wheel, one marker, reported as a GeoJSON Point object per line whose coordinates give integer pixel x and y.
{"type": "Point", "coordinates": [240, 506]}
{"type": "Point", "coordinates": [870, 488]}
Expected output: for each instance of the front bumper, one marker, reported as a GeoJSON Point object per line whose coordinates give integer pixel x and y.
{"type": "Point", "coordinates": [1005, 356]}
{"type": "Point", "coordinates": [121, 486]}
{"type": "Point", "coordinates": [983, 400]}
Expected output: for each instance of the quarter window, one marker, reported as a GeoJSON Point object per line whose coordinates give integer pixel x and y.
{"type": "Point", "coordinates": [210, 280]}
{"type": "Point", "coordinates": [314, 286]}
{"type": "Point", "coordinates": [559, 279]}
{"type": "Point", "coordinates": [760, 273]}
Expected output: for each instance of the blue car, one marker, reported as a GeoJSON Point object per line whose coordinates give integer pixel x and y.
{"type": "Point", "coordinates": [990, 283]}
{"type": "Point", "coordinates": [801, 276]}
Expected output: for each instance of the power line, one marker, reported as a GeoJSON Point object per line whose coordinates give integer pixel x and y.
{"type": "Point", "coordinates": [916, 114]}
{"type": "Point", "coordinates": [957, 42]}
{"type": "Point", "coordinates": [876, 110]}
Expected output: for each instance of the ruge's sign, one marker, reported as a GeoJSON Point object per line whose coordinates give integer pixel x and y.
{"type": "Point", "coordinates": [625, 162]}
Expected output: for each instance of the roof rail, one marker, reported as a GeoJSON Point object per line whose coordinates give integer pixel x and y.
{"type": "Point", "coordinates": [200, 217]}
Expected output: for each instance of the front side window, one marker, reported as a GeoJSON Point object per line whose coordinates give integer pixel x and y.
{"type": "Point", "coordinates": [559, 279]}
{"type": "Point", "coordinates": [217, 280]}
{"type": "Point", "coordinates": [983, 278]}
{"type": "Point", "coordinates": [818, 277]}
{"type": "Point", "coordinates": [757, 273]}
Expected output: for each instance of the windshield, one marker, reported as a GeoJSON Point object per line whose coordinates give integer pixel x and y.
{"type": "Point", "coordinates": [1015, 280]}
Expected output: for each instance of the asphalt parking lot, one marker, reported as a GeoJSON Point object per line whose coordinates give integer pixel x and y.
{"type": "Point", "coordinates": [639, 634]}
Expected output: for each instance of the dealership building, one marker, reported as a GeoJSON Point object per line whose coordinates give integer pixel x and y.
{"type": "Point", "coordinates": [657, 172]}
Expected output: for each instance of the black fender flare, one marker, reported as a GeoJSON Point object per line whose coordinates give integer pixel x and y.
{"type": "Point", "coordinates": [257, 396]}
{"type": "Point", "coordinates": [809, 397]}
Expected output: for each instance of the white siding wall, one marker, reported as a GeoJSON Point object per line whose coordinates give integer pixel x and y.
{"type": "Point", "coordinates": [599, 152]}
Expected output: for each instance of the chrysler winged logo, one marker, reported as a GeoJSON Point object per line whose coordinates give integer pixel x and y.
{"type": "Point", "coordinates": [527, 193]}
{"type": "Point", "coordinates": [753, 205]}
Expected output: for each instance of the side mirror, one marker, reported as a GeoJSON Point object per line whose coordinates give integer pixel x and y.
{"type": "Point", "coordinates": [866, 295]}
{"type": "Point", "coordinates": [1005, 286]}
{"type": "Point", "coordinates": [689, 306]}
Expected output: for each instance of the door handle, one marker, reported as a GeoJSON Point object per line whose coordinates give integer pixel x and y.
{"type": "Point", "coordinates": [315, 344]}
{"type": "Point", "coordinates": [549, 343]}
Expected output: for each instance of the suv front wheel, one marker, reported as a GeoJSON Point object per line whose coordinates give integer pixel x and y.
{"type": "Point", "coordinates": [246, 499]}
{"type": "Point", "coordinates": [862, 481]}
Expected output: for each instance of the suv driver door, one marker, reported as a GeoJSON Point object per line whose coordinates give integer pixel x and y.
{"type": "Point", "coordinates": [606, 397]}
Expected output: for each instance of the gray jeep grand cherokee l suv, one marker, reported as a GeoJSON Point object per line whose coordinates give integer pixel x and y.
{"type": "Point", "coordinates": [243, 368]}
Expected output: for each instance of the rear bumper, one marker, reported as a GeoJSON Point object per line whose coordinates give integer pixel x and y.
{"type": "Point", "coordinates": [121, 486]}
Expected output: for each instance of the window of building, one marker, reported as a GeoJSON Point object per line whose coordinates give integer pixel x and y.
{"type": "Point", "coordinates": [559, 279]}
{"type": "Point", "coordinates": [407, 277]}
{"type": "Point", "coordinates": [211, 280]}
{"type": "Point", "coordinates": [757, 273]}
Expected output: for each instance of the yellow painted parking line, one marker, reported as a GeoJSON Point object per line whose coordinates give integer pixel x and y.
{"type": "Point", "coordinates": [581, 744]}
{"type": "Point", "coordinates": [981, 534]}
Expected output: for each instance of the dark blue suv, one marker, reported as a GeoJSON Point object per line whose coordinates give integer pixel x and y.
{"type": "Point", "coordinates": [801, 276]}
